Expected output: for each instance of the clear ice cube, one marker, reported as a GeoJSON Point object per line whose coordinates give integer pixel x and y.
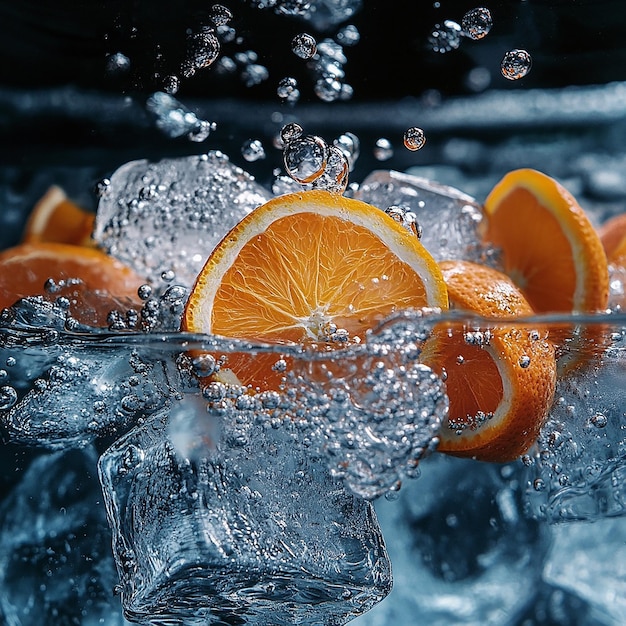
{"type": "Point", "coordinates": [169, 215]}
{"type": "Point", "coordinates": [251, 529]}
{"type": "Point", "coordinates": [449, 219]}
{"type": "Point", "coordinates": [56, 565]}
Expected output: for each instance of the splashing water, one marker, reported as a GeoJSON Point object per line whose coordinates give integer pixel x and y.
{"type": "Point", "coordinates": [515, 64]}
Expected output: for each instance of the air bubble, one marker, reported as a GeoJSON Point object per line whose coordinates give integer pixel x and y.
{"type": "Point", "coordinates": [477, 23]}
{"type": "Point", "coordinates": [383, 149]}
{"type": "Point", "coordinates": [8, 397]}
{"type": "Point", "coordinates": [305, 158]}
{"type": "Point", "coordinates": [350, 145]}
{"type": "Point", "coordinates": [524, 361]}
{"type": "Point", "coordinates": [304, 46]}
{"type": "Point", "coordinates": [202, 50]}
{"type": "Point", "coordinates": [348, 35]}
{"type": "Point", "coordinates": [599, 420]}
{"type": "Point", "coordinates": [405, 217]}
{"type": "Point", "coordinates": [117, 64]}
{"type": "Point", "coordinates": [515, 64]}
{"type": "Point", "coordinates": [446, 37]}
{"type": "Point", "coordinates": [220, 15]}
{"type": "Point", "coordinates": [290, 132]}
{"type": "Point", "coordinates": [414, 138]}
{"type": "Point", "coordinates": [252, 150]}
{"type": "Point", "coordinates": [144, 292]}
{"type": "Point", "coordinates": [288, 89]}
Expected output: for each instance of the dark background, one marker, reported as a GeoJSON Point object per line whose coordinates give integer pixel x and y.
{"type": "Point", "coordinates": [66, 42]}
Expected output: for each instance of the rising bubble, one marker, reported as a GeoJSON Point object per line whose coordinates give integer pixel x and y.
{"type": "Point", "coordinates": [305, 158]}
{"type": "Point", "coordinates": [288, 89]}
{"type": "Point", "coordinates": [414, 138]}
{"type": "Point", "coordinates": [304, 45]}
{"type": "Point", "coordinates": [383, 149]}
{"type": "Point", "coordinates": [252, 150]}
{"type": "Point", "coordinates": [515, 64]}
{"type": "Point", "coordinates": [477, 23]}
{"type": "Point", "coordinates": [290, 132]}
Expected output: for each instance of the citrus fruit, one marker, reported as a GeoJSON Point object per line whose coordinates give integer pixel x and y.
{"type": "Point", "coordinates": [611, 233]}
{"type": "Point", "coordinates": [304, 267]}
{"type": "Point", "coordinates": [549, 247]}
{"type": "Point", "coordinates": [55, 218]}
{"type": "Point", "coordinates": [104, 281]}
{"type": "Point", "coordinates": [500, 380]}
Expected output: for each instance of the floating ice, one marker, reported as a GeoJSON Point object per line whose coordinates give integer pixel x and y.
{"type": "Point", "coordinates": [169, 215]}
{"type": "Point", "coordinates": [449, 219]}
{"type": "Point", "coordinates": [252, 527]}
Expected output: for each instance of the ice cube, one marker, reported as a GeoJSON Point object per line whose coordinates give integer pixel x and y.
{"type": "Point", "coordinates": [251, 529]}
{"type": "Point", "coordinates": [169, 215]}
{"type": "Point", "coordinates": [461, 548]}
{"type": "Point", "coordinates": [577, 469]}
{"type": "Point", "coordinates": [588, 560]}
{"type": "Point", "coordinates": [56, 565]}
{"type": "Point", "coordinates": [449, 219]}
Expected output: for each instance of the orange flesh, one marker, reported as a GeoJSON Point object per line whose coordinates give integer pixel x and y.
{"type": "Point", "coordinates": [300, 282]}
{"type": "Point", "coordinates": [474, 385]}
{"type": "Point", "coordinates": [534, 248]}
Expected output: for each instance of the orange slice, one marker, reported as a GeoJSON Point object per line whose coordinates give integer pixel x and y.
{"type": "Point", "coordinates": [55, 218]}
{"type": "Point", "coordinates": [611, 233]}
{"type": "Point", "coordinates": [24, 270]}
{"type": "Point", "coordinates": [302, 265]}
{"type": "Point", "coordinates": [549, 247]}
{"type": "Point", "coordinates": [500, 381]}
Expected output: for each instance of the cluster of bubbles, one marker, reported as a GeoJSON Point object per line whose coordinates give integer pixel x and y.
{"type": "Point", "coordinates": [175, 120]}
{"type": "Point", "coordinates": [315, 164]}
{"type": "Point", "coordinates": [476, 24]}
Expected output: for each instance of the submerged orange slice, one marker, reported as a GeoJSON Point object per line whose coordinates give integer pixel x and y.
{"type": "Point", "coordinates": [305, 265]}
{"type": "Point", "coordinates": [549, 247]}
{"type": "Point", "coordinates": [500, 380]}
{"type": "Point", "coordinates": [24, 270]}
{"type": "Point", "coordinates": [55, 218]}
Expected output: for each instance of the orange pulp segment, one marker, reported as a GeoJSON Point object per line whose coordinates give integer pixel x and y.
{"type": "Point", "coordinates": [301, 266]}
{"type": "Point", "coordinates": [549, 247]}
{"type": "Point", "coordinates": [24, 269]}
{"type": "Point", "coordinates": [55, 218]}
{"type": "Point", "coordinates": [500, 380]}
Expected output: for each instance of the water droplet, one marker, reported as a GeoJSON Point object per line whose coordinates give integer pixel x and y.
{"type": "Point", "coordinates": [304, 45]}
{"type": "Point", "coordinates": [117, 64]}
{"type": "Point", "coordinates": [477, 23]}
{"type": "Point", "coordinates": [8, 397]}
{"type": "Point", "coordinates": [305, 158]}
{"type": "Point", "coordinates": [406, 217]}
{"type": "Point", "coordinates": [414, 138]}
{"type": "Point", "coordinates": [599, 420]}
{"type": "Point", "coordinates": [288, 89]}
{"type": "Point", "coordinates": [168, 276]}
{"type": "Point", "coordinates": [446, 37]}
{"type": "Point", "coordinates": [252, 150]}
{"type": "Point", "coordinates": [383, 150]}
{"type": "Point", "coordinates": [350, 145]}
{"type": "Point", "coordinates": [539, 484]}
{"type": "Point", "coordinates": [11, 361]}
{"type": "Point", "coordinates": [220, 15]}
{"type": "Point", "coordinates": [202, 50]}
{"type": "Point", "coordinates": [524, 361]}
{"type": "Point", "coordinates": [291, 132]}
{"type": "Point", "coordinates": [171, 84]}
{"type": "Point", "coordinates": [348, 35]}
{"type": "Point", "coordinates": [335, 175]}
{"type": "Point", "coordinates": [144, 292]}
{"type": "Point", "coordinates": [515, 64]}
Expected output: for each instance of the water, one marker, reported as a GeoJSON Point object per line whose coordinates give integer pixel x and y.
{"type": "Point", "coordinates": [56, 565]}
{"type": "Point", "coordinates": [168, 215]}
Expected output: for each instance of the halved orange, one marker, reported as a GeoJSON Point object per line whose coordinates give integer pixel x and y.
{"type": "Point", "coordinates": [55, 218]}
{"type": "Point", "coordinates": [101, 279]}
{"type": "Point", "coordinates": [500, 379]}
{"type": "Point", "coordinates": [549, 247]}
{"type": "Point", "coordinates": [302, 265]}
